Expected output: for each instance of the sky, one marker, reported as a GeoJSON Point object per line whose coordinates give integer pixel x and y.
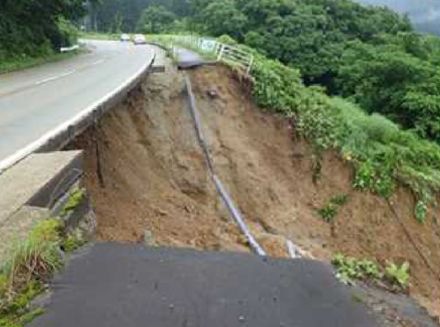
{"type": "Point", "coordinates": [419, 10]}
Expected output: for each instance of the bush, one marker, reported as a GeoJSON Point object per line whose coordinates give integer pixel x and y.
{"type": "Point", "coordinates": [398, 275]}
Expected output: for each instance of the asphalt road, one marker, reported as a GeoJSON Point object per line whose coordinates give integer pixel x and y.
{"type": "Point", "coordinates": [116, 285]}
{"type": "Point", "coordinates": [37, 100]}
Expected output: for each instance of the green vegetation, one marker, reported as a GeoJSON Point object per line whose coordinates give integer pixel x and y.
{"type": "Point", "coordinates": [28, 62]}
{"type": "Point", "coordinates": [117, 16]}
{"type": "Point", "coordinates": [330, 210]}
{"type": "Point", "coordinates": [27, 38]}
{"type": "Point", "coordinates": [30, 265]}
{"type": "Point", "coordinates": [398, 275]}
{"type": "Point", "coordinates": [75, 198]}
{"type": "Point", "coordinates": [155, 19]}
{"type": "Point", "coordinates": [349, 269]}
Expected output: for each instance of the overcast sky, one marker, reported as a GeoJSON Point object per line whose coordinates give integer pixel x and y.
{"type": "Point", "coordinates": [420, 11]}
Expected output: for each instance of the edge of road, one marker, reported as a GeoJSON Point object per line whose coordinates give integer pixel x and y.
{"type": "Point", "coordinates": [65, 132]}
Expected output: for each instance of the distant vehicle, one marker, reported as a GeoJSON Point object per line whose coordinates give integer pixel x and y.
{"type": "Point", "coordinates": [139, 39]}
{"type": "Point", "coordinates": [125, 38]}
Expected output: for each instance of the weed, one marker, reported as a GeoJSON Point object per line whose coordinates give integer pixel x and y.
{"type": "Point", "coordinates": [339, 200]}
{"type": "Point", "coordinates": [73, 241]}
{"type": "Point", "coordinates": [330, 210]}
{"type": "Point", "coordinates": [74, 200]}
{"type": "Point", "coordinates": [349, 269]}
{"type": "Point", "coordinates": [398, 275]}
{"type": "Point", "coordinates": [421, 211]}
{"type": "Point", "coordinates": [31, 263]}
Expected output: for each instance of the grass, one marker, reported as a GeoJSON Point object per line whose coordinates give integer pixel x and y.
{"type": "Point", "coordinates": [74, 200]}
{"type": "Point", "coordinates": [7, 66]}
{"type": "Point", "coordinates": [30, 266]}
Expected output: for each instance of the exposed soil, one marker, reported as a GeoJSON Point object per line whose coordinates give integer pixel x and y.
{"type": "Point", "coordinates": [146, 173]}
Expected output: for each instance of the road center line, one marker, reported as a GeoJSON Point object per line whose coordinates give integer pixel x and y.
{"type": "Point", "coordinates": [52, 78]}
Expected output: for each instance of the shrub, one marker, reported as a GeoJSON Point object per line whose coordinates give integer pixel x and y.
{"type": "Point", "coordinates": [349, 268]}
{"type": "Point", "coordinates": [398, 275]}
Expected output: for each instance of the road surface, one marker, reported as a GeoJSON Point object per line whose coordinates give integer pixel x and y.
{"type": "Point", "coordinates": [37, 100]}
{"type": "Point", "coordinates": [115, 285]}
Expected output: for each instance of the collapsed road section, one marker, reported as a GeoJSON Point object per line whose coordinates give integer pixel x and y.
{"type": "Point", "coordinates": [147, 177]}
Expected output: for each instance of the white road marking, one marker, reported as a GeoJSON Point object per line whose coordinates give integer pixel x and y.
{"type": "Point", "coordinates": [70, 72]}
{"type": "Point", "coordinates": [53, 78]}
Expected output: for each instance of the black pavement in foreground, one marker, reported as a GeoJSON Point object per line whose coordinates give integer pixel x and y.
{"type": "Point", "coordinates": [131, 286]}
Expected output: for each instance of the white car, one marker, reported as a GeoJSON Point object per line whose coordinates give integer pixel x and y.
{"type": "Point", "coordinates": [125, 38]}
{"type": "Point", "coordinates": [139, 39]}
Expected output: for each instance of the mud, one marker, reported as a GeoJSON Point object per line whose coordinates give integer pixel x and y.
{"type": "Point", "coordinates": [146, 175]}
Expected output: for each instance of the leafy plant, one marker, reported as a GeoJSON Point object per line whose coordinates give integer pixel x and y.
{"type": "Point", "coordinates": [330, 210]}
{"type": "Point", "coordinates": [398, 275]}
{"type": "Point", "coordinates": [421, 211]}
{"type": "Point", "coordinates": [349, 268]}
{"type": "Point", "coordinates": [73, 241]}
{"type": "Point", "coordinates": [74, 200]}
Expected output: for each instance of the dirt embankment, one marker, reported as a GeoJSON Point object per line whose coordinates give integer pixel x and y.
{"type": "Point", "coordinates": [145, 172]}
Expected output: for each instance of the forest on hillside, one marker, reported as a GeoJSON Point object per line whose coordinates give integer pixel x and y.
{"type": "Point", "coordinates": [369, 55]}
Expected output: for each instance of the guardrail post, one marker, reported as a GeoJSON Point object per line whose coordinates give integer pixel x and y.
{"type": "Point", "coordinates": [220, 54]}
{"type": "Point", "coordinates": [251, 62]}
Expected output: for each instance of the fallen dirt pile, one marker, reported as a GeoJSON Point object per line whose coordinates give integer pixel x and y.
{"type": "Point", "coordinates": [146, 175]}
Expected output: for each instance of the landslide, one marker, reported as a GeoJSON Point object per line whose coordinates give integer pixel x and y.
{"type": "Point", "coordinates": [146, 175]}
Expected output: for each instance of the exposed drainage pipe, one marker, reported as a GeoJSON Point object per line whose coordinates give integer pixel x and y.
{"type": "Point", "coordinates": [233, 210]}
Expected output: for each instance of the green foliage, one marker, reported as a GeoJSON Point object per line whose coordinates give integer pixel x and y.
{"type": "Point", "coordinates": [17, 313]}
{"type": "Point", "coordinates": [25, 34]}
{"type": "Point", "coordinates": [36, 258]}
{"type": "Point", "coordinates": [398, 275]}
{"type": "Point", "coordinates": [155, 19]}
{"type": "Point", "coordinates": [420, 211]}
{"type": "Point", "coordinates": [349, 269]}
{"type": "Point", "coordinates": [31, 263]}
{"type": "Point", "coordinates": [73, 241]}
{"type": "Point", "coordinates": [330, 210]}
{"type": "Point", "coordinates": [74, 200]}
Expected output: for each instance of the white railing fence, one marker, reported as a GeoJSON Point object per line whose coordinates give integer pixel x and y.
{"type": "Point", "coordinates": [217, 50]}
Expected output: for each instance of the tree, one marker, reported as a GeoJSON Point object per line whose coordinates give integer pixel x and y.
{"type": "Point", "coordinates": [155, 19]}
{"type": "Point", "coordinates": [222, 17]}
{"type": "Point", "coordinates": [32, 28]}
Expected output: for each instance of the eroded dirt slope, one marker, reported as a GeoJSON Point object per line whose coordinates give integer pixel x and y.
{"type": "Point", "coordinates": [146, 173]}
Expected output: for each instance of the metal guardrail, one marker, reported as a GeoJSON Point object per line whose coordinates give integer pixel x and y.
{"type": "Point", "coordinates": [220, 51]}
{"type": "Point", "coordinates": [69, 49]}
